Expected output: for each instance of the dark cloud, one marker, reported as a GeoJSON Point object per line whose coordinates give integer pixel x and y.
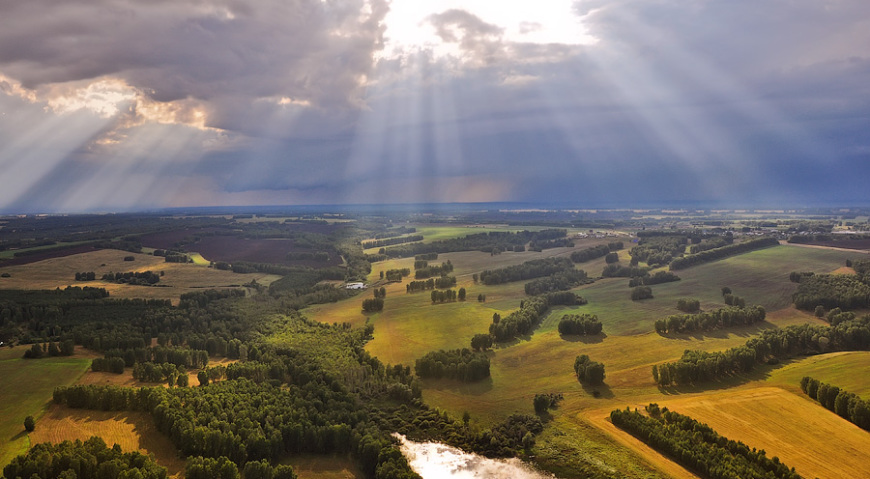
{"type": "Point", "coordinates": [718, 101]}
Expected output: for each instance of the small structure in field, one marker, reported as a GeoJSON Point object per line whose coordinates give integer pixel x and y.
{"type": "Point", "coordinates": [355, 286]}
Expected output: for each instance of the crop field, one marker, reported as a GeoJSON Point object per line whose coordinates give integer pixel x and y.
{"type": "Point", "coordinates": [178, 278]}
{"type": "Point", "coordinates": [846, 370]}
{"type": "Point", "coordinates": [133, 431]}
{"type": "Point", "coordinates": [803, 434]}
{"type": "Point", "coordinates": [45, 252]}
{"type": "Point", "coordinates": [27, 389]}
{"type": "Point", "coordinates": [237, 248]}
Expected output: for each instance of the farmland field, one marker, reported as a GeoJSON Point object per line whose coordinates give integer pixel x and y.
{"type": "Point", "coordinates": [178, 278]}
{"type": "Point", "coordinates": [26, 392]}
{"type": "Point", "coordinates": [133, 431]}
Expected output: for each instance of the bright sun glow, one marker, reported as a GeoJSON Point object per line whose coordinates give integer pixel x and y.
{"type": "Point", "coordinates": [551, 21]}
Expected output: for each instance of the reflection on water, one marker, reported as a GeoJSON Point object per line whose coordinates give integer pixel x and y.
{"type": "Point", "coordinates": [434, 460]}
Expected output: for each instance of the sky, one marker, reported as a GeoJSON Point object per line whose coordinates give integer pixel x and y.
{"type": "Point", "coordinates": [117, 105]}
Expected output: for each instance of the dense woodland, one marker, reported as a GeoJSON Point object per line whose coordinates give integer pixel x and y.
{"type": "Point", "coordinates": [530, 269]}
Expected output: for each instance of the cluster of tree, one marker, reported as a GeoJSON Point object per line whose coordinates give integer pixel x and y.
{"type": "Point", "coordinates": [397, 274]}
{"type": "Point", "coordinates": [461, 364]}
{"type": "Point", "coordinates": [170, 256]}
{"type": "Point", "coordinates": [845, 404]}
{"type": "Point", "coordinates": [617, 270]}
{"type": "Point", "coordinates": [580, 324]}
{"type": "Point", "coordinates": [140, 278]}
{"type": "Point", "coordinates": [490, 242]}
{"type": "Point", "coordinates": [688, 305]}
{"type": "Point", "coordinates": [420, 263]}
{"type": "Point", "coordinates": [588, 254]}
{"type": "Point", "coordinates": [379, 292]}
{"type": "Point", "coordinates": [546, 401]}
{"type": "Point", "coordinates": [588, 371]}
{"type": "Point", "coordinates": [380, 243]}
{"type": "Point", "coordinates": [697, 447]}
{"type": "Point", "coordinates": [723, 252]}
{"type": "Point", "coordinates": [525, 319]}
{"type": "Point", "coordinates": [90, 459]}
{"type": "Point", "coordinates": [50, 349]}
{"type": "Point", "coordinates": [611, 258]}
{"type": "Point", "coordinates": [320, 256]}
{"type": "Point", "coordinates": [656, 278]}
{"type": "Point", "coordinates": [448, 296]}
{"type": "Point", "coordinates": [559, 281]}
{"type": "Point", "coordinates": [796, 277]}
{"type": "Point", "coordinates": [834, 316]}
{"type": "Point", "coordinates": [641, 292]}
{"type": "Point", "coordinates": [426, 257]}
{"type": "Point", "coordinates": [167, 373]}
{"type": "Point", "coordinates": [431, 283]}
{"type": "Point", "coordinates": [108, 365]}
{"type": "Point", "coordinates": [433, 271]}
{"type": "Point", "coordinates": [658, 250]}
{"type": "Point", "coordinates": [481, 341]}
{"type": "Point", "coordinates": [86, 276]}
{"type": "Point", "coordinates": [771, 345]}
{"type": "Point", "coordinates": [711, 320]}
{"type": "Point", "coordinates": [519, 322]}
{"type": "Point", "coordinates": [541, 245]}
{"type": "Point", "coordinates": [373, 305]}
{"type": "Point", "coordinates": [831, 291]}
{"type": "Point", "coordinates": [528, 270]}
{"type": "Point", "coordinates": [709, 243]}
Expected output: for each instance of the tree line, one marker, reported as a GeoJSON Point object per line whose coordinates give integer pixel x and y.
{"type": "Point", "coordinates": [461, 364]}
{"type": "Point", "coordinates": [448, 296]}
{"type": "Point", "coordinates": [380, 243]}
{"type": "Point", "coordinates": [432, 283]}
{"type": "Point", "coordinates": [708, 321]}
{"type": "Point", "coordinates": [772, 345]}
{"type": "Point", "coordinates": [559, 281]}
{"type": "Point", "coordinates": [697, 447]}
{"type": "Point", "coordinates": [525, 319]}
{"type": "Point", "coordinates": [434, 270]}
{"type": "Point", "coordinates": [723, 252]}
{"type": "Point", "coordinates": [493, 241]}
{"type": "Point", "coordinates": [588, 254]}
{"type": "Point", "coordinates": [138, 278]}
{"type": "Point", "coordinates": [530, 269]}
{"type": "Point", "coordinates": [397, 274]}
{"type": "Point", "coordinates": [845, 404]}
{"type": "Point", "coordinates": [657, 278]}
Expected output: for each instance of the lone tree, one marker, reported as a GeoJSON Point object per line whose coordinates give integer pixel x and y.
{"type": "Point", "coordinates": [29, 424]}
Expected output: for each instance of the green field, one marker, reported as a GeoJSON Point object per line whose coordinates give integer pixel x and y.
{"type": "Point", "coordinates": [26, 391]}
{"type": "Point", "coordinates": [846, 370]}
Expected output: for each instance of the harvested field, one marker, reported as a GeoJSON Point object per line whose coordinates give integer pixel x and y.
{"type": "Point", "coordinates": [48, 254]}
{"type": "Point", "coordinates": [803, 434]}
{"type": "Point", "coordinates": [133, 431]}
{"type": "Point", "coordinates": [178, 278]}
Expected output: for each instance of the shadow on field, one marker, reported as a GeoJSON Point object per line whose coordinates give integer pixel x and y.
{"type": "Point", "coordinates": [471, 389]}
{"type": "Point", "coordinates": [573, 338]}
{"type": "Point", "coordinates": [598, 391]}
{"type": "Point", "coordinates": [18, 436]}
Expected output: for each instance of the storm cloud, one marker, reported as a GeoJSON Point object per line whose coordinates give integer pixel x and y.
{"type": "Point", "coordinates": [129, 105]}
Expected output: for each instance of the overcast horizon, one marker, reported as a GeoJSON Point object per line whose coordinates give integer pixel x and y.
{"type": "Point", "coordinates": [127, 106]}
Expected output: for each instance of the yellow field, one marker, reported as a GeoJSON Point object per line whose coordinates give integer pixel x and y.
{"type": "Point", "coordinates": [803, 434]}
{"type": "Point", "coordinates": [131, 430]}
{"type": "Point", "coordinates": [178, 278]}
